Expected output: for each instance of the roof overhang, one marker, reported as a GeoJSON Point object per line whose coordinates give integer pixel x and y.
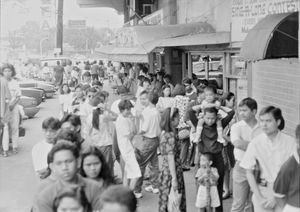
{"type": "Point", "coordinates": [257, 40]}
{"type": "Point", "coordinates": [138, 41]}
{"type": "Point", "coordinates": [118, 5]}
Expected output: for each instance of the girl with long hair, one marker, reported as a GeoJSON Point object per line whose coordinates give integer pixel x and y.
{"type": "Point", "coordinates": [94, 166]}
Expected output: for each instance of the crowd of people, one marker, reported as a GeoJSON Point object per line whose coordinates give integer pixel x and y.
{"type": "Point", "coordinates": [169, 130]}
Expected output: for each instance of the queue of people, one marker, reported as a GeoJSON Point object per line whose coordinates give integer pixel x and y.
{"type": "Point", "coordinates": [169, 129]}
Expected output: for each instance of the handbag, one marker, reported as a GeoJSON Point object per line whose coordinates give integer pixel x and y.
{"type": "Point", "coordinates": [183, 133]}
{"type": "Point", "coordinates": [22, 131]}
{"type": "Point", "coordinates": [174, 201]}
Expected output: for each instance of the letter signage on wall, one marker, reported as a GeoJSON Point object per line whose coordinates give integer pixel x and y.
{"type": "Point", "coordinates": [246, 13]}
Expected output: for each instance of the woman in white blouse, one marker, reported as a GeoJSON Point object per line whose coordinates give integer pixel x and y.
{"type": "Point", "coordinates": [165, 100]}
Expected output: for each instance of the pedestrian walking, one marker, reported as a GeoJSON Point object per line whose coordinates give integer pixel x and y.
{"type": "Point", "coordinates": [267, 152]}
{"type": "Point", "coordinates": [146, 151]}
{"type": "Point", "coordinates": [58, 74]}
{"type": "Point", "coordinates": [65, 100]}
{"type": "Point", "coordinates": [125, 132]}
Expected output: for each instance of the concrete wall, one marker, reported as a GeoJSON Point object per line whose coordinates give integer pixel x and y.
{"type": "Point", "coordinates": [277, 82]}
{"type": "Point", "coordinates": [215, 12]}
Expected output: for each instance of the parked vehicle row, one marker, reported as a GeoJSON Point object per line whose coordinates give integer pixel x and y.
{"type": "Point", "coordinates": [33, 94]}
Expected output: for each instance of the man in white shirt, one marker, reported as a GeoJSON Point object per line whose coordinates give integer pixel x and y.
{"type": "Point", "coordinates": [241, 134]}
{"type": "Point", "coordinates": [268, 151]}
{"type": "Point", "coordinates": [41, 149]}
{"type": "Point", "coordinates": [146, 151]}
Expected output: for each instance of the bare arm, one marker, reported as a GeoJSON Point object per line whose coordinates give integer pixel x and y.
{"type": "Point", "coordinates": [240, 144]}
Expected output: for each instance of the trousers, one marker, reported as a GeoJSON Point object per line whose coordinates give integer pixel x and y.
{"type": "Point", "coordinates": [147, 154]}
{"type": "Point", "coordinates": [241, 190]}
{"type": "Point", "coordinates": [11, 129]}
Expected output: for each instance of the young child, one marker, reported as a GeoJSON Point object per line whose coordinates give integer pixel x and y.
{"type": "Point", "coordinates": [209, 101]}
{"type": "Point", "coordinates": [207, 177]}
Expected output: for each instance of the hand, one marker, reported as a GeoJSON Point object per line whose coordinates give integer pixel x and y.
{"type": "Point", "coordinates": [200, 116]}
{"type": "Point", "coordinates": [269, 203]}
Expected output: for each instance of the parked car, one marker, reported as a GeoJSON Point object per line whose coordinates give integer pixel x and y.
{"type": "Point", "coordinates": [47, 88]}
{"type": "Point", "coordinates": [32, 92]}
{"type": "Point", "coordinates": [29, 105]}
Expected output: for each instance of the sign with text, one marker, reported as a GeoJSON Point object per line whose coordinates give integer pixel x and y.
{"type": "Point", "coordinates": [77, 24]}
{"type": "Point", "coordinates": [246, 13]}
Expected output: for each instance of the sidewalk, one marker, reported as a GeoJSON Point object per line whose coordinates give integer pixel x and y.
{"type": "Point", "coordinates": [149, 202]}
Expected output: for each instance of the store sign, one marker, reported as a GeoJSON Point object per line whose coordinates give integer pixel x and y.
{"type": "Point", "coordinates": [246, 13]}
{"type": "Point", "coordinates": [155, 18]}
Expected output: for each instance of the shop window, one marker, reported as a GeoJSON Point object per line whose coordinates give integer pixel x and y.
{"type": "Point", "coordinates": [237, 66]}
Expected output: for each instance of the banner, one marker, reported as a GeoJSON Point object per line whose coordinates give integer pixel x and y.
{"type": "Point", "coordinates": [246, 13]}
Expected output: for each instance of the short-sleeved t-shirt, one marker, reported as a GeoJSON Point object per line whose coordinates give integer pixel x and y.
{"type": "Point", "coordinates": [287, 183]}
{"type": "Point", "coordinates": [270, 154]}
{"type": "Point", "coordinates": [151, 122]}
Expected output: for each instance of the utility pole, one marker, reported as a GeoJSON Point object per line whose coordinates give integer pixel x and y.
{"type": "Point", "coordinates": [59, 26]}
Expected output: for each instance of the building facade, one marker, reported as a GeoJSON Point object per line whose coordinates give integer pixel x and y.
{"type": "Point", "coordinates": [249, 47]}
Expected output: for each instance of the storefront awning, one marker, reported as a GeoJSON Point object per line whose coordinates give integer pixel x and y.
{"type": "Point", "coordinates": [191, 40]}
{"type": "Point", "coordinates": [136, 42]}
{"type": "Point", "coordinates": [256, 43]}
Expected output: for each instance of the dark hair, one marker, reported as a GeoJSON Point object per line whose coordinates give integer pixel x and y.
{"type": "Point", "coordinates": [68, 135]}
{"type": "Point", "coordinates": [160, 73]}
{"type": "Point", "coordinates": [153, 97]}
{"type": "Point", "coordinates": [179, 90]}
{"type": "Point", "coordinates": [211, 88]}
{"type": "Point", "coordinates": [167, 117]}
{"type": "Point", "coordinates": [9, 66]}
{"type": "Point", "coordinates": [61, 90]}
{"type": "Point", "coordinates": [226, 96]}
{"type": "Point", "coordinates": [187, 81]}
{"type": "Point", "coordinates": [297, 131]}
{"type": "Point", "coordinates": [210, 110]}
{"type": "Point", "coordinates": [167, 78]}
{"type": "Point", "coordinates": [120, 195]}
{"type": "Point", "coordinates": [97, 83]}
{"type": "Point", "coordinates": [164, 87]}
{"type": "Point", "coordinates": [125, 104]}
{"type": "Point", "coordinates": [105, 173]}
{"type": "Point", "coordinates": [51, 123]}
{"type": "Point", "coordinates": [249, 102]}
{"type": "Point", "coordinates": [86, 74]}
{"type": "Point", "coordinates": [208, 156]}
{"type": "Point", "coordinates": [77, 194]}
{"type": "Point", "coordinates": [276, 113]}
{"type": "Point", "coordinates": [96, 100]}
{"type": "Point", "coordinates": [63, 145]}
{"type": "Point", "coordinates": [141, 79]}
{"type": "Point", "coordinates": [146, 79]}
{"type": "Point", "coordinates": [73, 119]}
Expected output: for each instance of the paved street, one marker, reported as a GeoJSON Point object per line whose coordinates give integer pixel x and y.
{"type": "Point", "coordinates": [18, 182]}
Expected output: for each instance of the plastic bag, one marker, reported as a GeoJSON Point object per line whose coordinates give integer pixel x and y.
{"type": "Point", "coordinates": [174, 201]}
